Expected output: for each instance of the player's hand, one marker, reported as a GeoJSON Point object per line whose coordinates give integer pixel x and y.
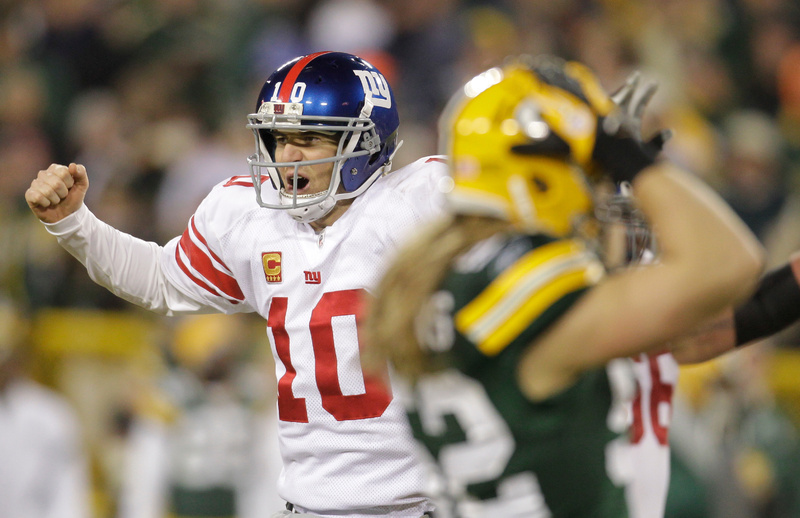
{"type": "Point", "coordinates": [620, 150]}
{"type": "Point", "coordinates": [632, 99]}
{"type": "Point", "coordinates": [57, 192]}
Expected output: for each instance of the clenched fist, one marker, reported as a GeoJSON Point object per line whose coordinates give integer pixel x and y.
{"type": "Point", "coordinates": [57, 192]}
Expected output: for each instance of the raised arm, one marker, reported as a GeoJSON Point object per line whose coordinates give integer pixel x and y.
{"type": "Point", "coordinates": [125, 265]}
{"type": "Point", "coordinates": [709, 260]}
{"type": "Point", "coordinates": [773, 307]}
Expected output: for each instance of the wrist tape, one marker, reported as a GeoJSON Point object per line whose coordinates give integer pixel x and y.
{"type": "Point", "coordinates": [773, 307]}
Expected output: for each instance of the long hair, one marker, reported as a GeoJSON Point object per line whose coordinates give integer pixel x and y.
{"type": "Point", "coordinates": [418, 270]}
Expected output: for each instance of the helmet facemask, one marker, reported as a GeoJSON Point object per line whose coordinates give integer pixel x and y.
{"type": "Point", "coordinates": [328, 92]}
{"type": "Point", "coordinates": [357, 143]}
{"type": "Point", "coordinates": [626, 235]}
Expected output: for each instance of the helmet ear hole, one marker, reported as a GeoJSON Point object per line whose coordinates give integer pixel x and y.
{"type": "Point", "coordinates": [374, 157]}
{"type": "Point", "coordinates": [540, 184]}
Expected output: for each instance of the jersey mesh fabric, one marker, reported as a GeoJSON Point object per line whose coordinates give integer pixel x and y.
{"type": "Point", "coordinates": [346, 445]}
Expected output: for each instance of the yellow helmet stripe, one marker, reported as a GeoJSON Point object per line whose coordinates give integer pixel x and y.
{"type": "Point", "coordinates": [519, 296]}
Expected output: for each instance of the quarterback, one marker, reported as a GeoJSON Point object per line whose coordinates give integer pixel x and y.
{"type": "Point", "coordinates": [300, 240]}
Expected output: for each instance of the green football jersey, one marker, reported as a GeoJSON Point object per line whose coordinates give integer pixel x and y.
{"type": "Point", "coordinates": [501, 454]}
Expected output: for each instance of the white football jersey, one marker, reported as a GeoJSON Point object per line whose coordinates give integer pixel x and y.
{"type": "Point", "coordinates": [645, 458]}
{"type": "Point", "coordinates": [647, 453]}
{"type": "Point", "coordinates": [344, 440]}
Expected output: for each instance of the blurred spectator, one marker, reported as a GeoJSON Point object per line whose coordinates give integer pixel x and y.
{"type": "Point", "coordinates": [758, 34]}
{"type": "Point", "coordinates": [24, 142]}
{"type": "Point", "coordinates": [43, 467]}
{"type": "Point", "coordinates": [789, 94]}
{"type": "Point", "coordinates": [205, 444]}
{"type": "Point", "coordinates": [754, 168]}
{"type": "Point", "coordinates": [99, 135]}
{"type": "Point", "coordinates": [326, 22]}
{"type": "Point", "coordinates": [426, 47]}
{"type": "Point", "coordinates": [204, 160]}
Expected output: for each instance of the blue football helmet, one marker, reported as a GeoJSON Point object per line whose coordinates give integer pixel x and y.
{"type": "Point", "coordinates": [326, 92]}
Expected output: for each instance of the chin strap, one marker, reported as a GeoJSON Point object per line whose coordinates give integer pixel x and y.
{"type": "Point", "coordinates": [309, 213]}
{"type": "Point", "coordinates": [387, 167]}
{"type": "Point", "coordinates": [382, 171]}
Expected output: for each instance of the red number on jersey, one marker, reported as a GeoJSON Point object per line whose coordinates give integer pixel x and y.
{"type": "Point", "coordinates": [375, 399]}
{"type": "Point", "coordinates": [290, 408]}
{"type": "Point", "coordinates": [660, 392]}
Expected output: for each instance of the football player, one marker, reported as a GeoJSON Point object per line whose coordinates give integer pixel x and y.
{"type": "Point", "coordinates": [502, 317]}
{"type": "Point", "coordinates": [300, 240]}
{"type": "Point", "coordinates": [645, 459]}
{"type": "Point", "coordinates": [774, 306]}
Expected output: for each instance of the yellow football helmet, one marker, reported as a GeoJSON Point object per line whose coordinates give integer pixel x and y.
{"type": "Point", "coordinates": [520, 138]}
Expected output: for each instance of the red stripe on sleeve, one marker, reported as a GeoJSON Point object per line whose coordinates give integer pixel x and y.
{"type": "Point", "coordinates": [203, 240]}
{"type": "Point", "coordinates": [243, 180]}
{"type": "Point", "coordinates": [291, 77]}
{"type": "Point", "coordinates": [194, 279]}
{"type": "Point", "coordinates": [202, 263]}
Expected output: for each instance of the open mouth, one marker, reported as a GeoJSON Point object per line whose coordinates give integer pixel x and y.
{"type": "Point", "coordinates": [302, 183]}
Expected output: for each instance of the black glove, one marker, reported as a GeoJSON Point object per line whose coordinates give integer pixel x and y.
{"type": "Point", "coordinates": [623, 156]}
{"type": "Point", "coordinates": [619, 149]}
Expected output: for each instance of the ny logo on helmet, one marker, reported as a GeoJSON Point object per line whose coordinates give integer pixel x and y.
{"type": "Point", "coordinates": [375, 88]}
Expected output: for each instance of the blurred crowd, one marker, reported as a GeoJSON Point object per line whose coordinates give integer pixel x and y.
{"type": "Point", "coordinates": [152, 96]}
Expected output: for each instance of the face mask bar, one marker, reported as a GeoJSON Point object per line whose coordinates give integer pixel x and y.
{"type": "Point", "coordinates": [263, 159]}
{"type": "Point", "coordinates": [620, 210]}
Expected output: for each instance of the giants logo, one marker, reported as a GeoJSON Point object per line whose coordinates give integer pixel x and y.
{"type": "Point", "coordinates": [313, 277]}
{"type": "Point", "coordinates": [375, 87]}
{"type": "Point", "coordinates": [272, 266]}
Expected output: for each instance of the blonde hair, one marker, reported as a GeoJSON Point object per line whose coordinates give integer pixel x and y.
{"type": "Point", "coordinates": [417, 272]}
